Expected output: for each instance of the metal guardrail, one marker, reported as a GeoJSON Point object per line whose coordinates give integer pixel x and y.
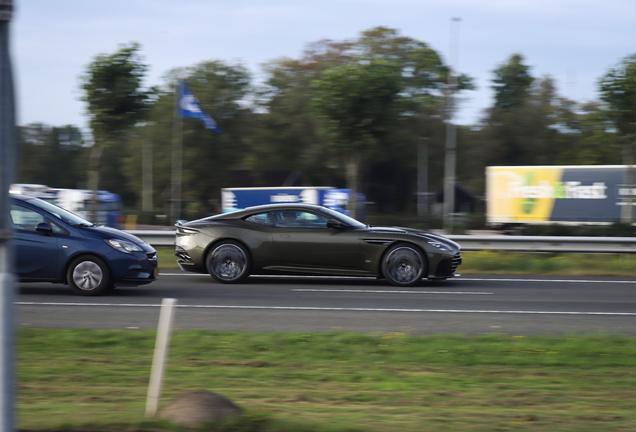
{"type": "Point", "coordinates": [155, 237]}
{"type": "Point", "coordinates": [556, 244]}
{"type": "Point", "coordinates": [478, 243]}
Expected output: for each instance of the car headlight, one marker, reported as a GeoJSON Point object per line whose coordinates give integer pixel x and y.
{"type": "Point", "coordinates": [124, 246]}
{"type": "Point", "coordinates": [439, 244]}
{"type": "Point", "coordinates": [184, 230]}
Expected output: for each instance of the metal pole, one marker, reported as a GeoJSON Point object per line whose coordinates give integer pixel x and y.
{"type": "Point", "coordinates": [7, 279]}
{"type": "Point", "coordinates": [422, 178]}
{"type": "Point", "coordinates": [146, 174]}
{"type": "Point", "coordinates": [451, 135]}
{"type": "Point", "coordinates": [177, 157]}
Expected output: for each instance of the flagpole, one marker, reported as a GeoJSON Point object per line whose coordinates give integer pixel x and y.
{"type": "Point", "coordinates": [177, 157]}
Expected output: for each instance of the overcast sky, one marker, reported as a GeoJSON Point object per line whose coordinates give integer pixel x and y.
{"type": "Point", "coordinates": [573, 41]}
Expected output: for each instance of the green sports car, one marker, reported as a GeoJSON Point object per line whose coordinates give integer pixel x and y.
{"type": "Point", "coordinates": [303, 239]}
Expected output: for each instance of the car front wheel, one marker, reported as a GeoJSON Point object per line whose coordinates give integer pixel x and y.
{"type": "Point", "coordinates": [403, 265]}
{"type": "Point", "coordinates": [229, 262]}
{"type": "Point", "coordinates": [89, 276]}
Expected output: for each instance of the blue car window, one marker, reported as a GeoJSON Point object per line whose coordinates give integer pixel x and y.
{"type": "Point", "coordinates": [60, 213]}
{"type": "Point", "coordinates": [24, 218]}
{"type": "Point", "coordinates": [57, 229]}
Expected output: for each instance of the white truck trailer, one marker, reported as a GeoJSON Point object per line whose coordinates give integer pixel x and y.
{"type": "Point", "coordinates": [572, 195]}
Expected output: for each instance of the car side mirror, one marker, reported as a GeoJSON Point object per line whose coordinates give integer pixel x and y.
{"type": "Point", "coordinates": [334, 224]}
{"type": "Point", "coordinates": [44, 228]}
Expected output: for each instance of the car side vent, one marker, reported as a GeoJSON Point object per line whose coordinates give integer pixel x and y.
{"type": "Point", "coordinates": [381, 231]}
{"type": "Point", "coordinates": [378, 241]}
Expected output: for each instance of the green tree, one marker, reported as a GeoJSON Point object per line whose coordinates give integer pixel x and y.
{"type": "Point", "coordinates": [425, 76]}
{"type": "Point", "coordinates": [290, 135]}
{"type": "Point", "coordinates": [618, 91]}
{"type": "Point", "coordinates": [116, 102]}
{"type": "Point", "coordinates": [359, 101]}
{"type": "Point", "coordinates": [53, 156]}
{"type": "Point", "coordinates": [509, 122]}
{"type": "Point", "coordinates": [512, 83]}
{"type": "Point", "coordinates": [208, 157]}
{"type": "Point", "coordinates": [593, 138]}
{"type": "Point", "coordinates": [286, 135]}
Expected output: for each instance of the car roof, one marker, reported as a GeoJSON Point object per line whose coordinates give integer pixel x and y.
{"type": "Point", "coordinates": [237, 214]}
{"type": "Point", "coordinates": [21, 197]}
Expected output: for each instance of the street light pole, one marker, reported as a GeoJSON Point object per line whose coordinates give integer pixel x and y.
{"type": "Point", "coordinates": [146, 173]}
{"type": "Point", "coordinates": [422, 177]}
{"type": "Point", "coordinates": [451, 131]}
{"type": "Point", "coordinates": [7, 278]}
{"type": "Point", "coordinates": [177, 159]}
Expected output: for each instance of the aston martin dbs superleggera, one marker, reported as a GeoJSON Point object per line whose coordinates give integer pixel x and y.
{"type": "Point", "coordinates": [302, 239]}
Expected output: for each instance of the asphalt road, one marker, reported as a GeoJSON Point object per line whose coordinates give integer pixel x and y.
{"type": "Point", "coordinates": [467, 305]}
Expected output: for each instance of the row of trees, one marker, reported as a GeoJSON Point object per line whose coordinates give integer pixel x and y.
{"type": "Point", "coordinates": [346, 113]}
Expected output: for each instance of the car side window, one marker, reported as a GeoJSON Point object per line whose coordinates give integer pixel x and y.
{"type": "Point", "coordinates": [261, 219]}
{"type": "Point", "coordinates": [57, 229]}
{"type": "Point", "coordinates": [23, 218]}
{"type": "Point", "coordinates": [299, 219]}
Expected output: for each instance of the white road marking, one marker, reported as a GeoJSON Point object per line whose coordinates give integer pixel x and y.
{"type": "Point", "coordinates": [307, 308]}
{"type": "Point", "coordinates": [391, 291]}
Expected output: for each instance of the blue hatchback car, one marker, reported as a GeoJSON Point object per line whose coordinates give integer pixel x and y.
{"type": "Point", "coordinates": [55, 245]}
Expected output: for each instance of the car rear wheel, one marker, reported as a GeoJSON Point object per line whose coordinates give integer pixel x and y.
{"type": "Point", "coordinates": [89, 276]}
{"type": "Point", "coordinates": [404, 265]}
{"type": "Point", "coordinates": [229, 262]}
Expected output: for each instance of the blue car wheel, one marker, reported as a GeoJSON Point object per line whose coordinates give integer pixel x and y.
{"type": "Point", "coordinates": [89, 276]}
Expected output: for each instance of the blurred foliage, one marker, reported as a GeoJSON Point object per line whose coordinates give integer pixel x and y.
{"type": "Point", "coordinates": [112, 87]}
{"type": "Point", "coordinates": [116, 102]}
{"type": "Point", "coordinates": [511, 83]}
{"type": "Point", "coordinates": [359, 104]}
{"type": "Point", "coordinates": [371, 100]}
{"type": "Point", "coordinates": [51, 155]}
{"type": "Point", "coordinates": [208, 157]}
{"type": "Point", "coordinates": [530, 124]}
{"type": "Point", "coordinates": [618, 91]}
{"type": "Point", "coordinates": [615, 229]}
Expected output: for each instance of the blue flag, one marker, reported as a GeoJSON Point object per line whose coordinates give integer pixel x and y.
{"type": "Point", "coordinates": [189, 106]}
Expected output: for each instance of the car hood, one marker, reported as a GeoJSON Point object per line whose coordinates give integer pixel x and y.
{"type": "Point", "coordinates": [105, 232]}
{"type": "Point", "coordinates": [420, 233]}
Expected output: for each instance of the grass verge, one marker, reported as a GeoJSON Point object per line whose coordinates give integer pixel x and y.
{"type": "Point", "coordinates": [293, 382]}
{"type": "Point", "coordinates": [489, 262]}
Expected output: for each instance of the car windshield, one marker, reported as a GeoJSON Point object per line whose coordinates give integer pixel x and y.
{"type": "Point", "coordinates": [60, 213]}
{"type": "Point", "coordinates": [344, 218]}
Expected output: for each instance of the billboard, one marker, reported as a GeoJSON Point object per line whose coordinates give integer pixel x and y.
{"type": "Point", "coordinates": [567, 194]}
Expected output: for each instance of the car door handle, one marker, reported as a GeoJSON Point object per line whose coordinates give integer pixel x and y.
{"type": "Point", "coordinates": [284, 236]}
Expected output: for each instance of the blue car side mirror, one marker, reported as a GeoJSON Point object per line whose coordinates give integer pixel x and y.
{"type": "Point", "coordinates": [44, 228]}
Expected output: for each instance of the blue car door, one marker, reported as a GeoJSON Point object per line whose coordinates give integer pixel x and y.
{"type": "Point", "coordinates": [36, 253]}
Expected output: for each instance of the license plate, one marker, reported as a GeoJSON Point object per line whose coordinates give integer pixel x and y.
{"type": "Point", "coordinates": [156, 272]}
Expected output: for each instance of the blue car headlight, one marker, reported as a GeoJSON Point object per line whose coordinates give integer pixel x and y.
{"type": "Point", "coordinates": [124, 246]}
{"type": "Point", "coordinates": [438, 244]}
